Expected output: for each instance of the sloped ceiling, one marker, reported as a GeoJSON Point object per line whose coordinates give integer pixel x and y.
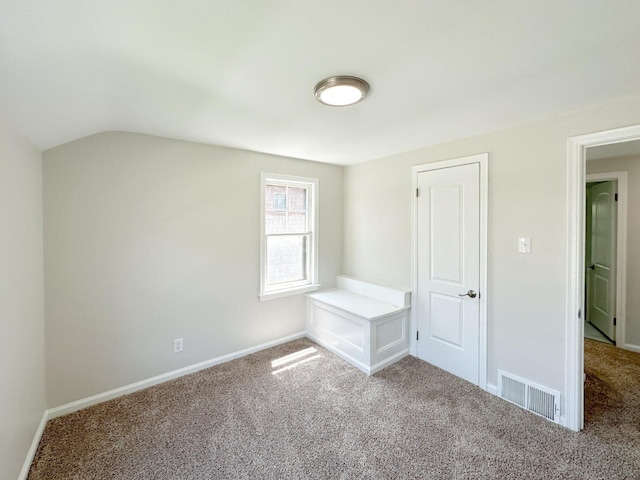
{"type": "Point", "coordinates": [241, 73]}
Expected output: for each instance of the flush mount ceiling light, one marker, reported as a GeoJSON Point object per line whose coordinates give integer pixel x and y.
{"type": "Point", "coordinates": [341, 90]}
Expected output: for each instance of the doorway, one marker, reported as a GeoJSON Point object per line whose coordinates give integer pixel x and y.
{"type": "Point", "coordinates": [576, 184]}
{"type": "Point", "coordinates": [449, 266]}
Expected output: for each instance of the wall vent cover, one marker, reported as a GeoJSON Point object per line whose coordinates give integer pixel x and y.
{"type": "Point", "coordinates": [535, 398]}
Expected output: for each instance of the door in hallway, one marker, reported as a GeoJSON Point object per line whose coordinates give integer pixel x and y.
{"type": "Point", "coordinates": [601, 228]}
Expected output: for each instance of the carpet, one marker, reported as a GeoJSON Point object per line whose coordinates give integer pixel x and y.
{"type": "Point", "coordinates": [298, 411]}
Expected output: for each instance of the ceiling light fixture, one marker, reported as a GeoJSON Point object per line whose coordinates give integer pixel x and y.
{"type": "Point", "coordinates": [340, 91]}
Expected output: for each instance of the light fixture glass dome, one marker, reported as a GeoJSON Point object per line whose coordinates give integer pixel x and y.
{"type": "Point", "coordinates": [340, 91]}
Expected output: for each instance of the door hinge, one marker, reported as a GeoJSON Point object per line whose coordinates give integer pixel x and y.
{"type": "Point", "coordinates": [616, 197]}
{"type": "Point", "coordinates": [615, 320]}
{"type": "Point", "coordinates": [580, 313]}
{"type": "Point", "coordinates": [417, 335]}
{"type": "Point", "coordinates": [417, 192]}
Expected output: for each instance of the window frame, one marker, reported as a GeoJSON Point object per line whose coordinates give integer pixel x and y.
{"type": "Point", "coordinates": [292, 288]}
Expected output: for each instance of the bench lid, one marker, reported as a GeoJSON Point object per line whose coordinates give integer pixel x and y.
{"type": "Point", "coordinates": [359, 305]}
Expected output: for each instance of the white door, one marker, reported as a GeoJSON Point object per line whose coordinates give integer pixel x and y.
{"type": "Point", "coordinates": [448, 275]}
{"type": "Point", "coordinates": [601, 257]}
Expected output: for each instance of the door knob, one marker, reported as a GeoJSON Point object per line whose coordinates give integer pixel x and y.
{"type": "Point", "coordinates": [470, 294]}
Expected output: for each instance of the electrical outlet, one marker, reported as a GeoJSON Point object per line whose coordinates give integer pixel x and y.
{"type": "Point", "coordinates": [178, 345]}
{"type": "Point", "coordinates": [524, 245]}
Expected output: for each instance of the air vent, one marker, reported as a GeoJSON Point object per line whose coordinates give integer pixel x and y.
{"type": "Point", "coordinates": [535, 398]}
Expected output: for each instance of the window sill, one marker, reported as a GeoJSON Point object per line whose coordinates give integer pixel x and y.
{"type": "Point", "coordinates": [287, 292]}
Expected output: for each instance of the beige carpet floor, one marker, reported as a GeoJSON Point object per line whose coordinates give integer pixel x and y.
{"type": "Point", "coordinates": [315, 416]}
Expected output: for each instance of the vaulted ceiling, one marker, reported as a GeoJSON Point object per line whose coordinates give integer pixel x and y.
{"type": "Point", "coordinates": [241, 73]}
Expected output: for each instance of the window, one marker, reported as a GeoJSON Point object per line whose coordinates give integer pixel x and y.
{"type": "Point", "coordinates": [289, 235]}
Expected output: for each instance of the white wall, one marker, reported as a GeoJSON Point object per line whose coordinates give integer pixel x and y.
{"type": "Point", "coordinates": [527, 198]}
{"type": "Point", "coordinates": [149, 239]}
{"type": "Point", "coordinates": [631, 165]}
{"type": "Point", "coordinates": [22, 401]}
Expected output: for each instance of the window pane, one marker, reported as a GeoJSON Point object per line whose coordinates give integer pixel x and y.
{"type": "Point", "coordinates": [297, 199]}
{"type": "Point", "coordinates": [280, 201]}
{"type": "Point", "coordinates": [274, 194]}
{"type": "Point", "coordinates": [286, 259]}
{"type": "Point", "coordinates": [297, 223]}
{"type": "Point", "coordinates": [275, 222]}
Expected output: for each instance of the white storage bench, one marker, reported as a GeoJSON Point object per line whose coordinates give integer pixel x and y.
{"type": "Point", "coordinates": [364, 323]}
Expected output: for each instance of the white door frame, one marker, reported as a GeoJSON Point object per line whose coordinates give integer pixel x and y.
{"type": "Point", "coordinates": [574, 325]}
{"type": "Point", "coordinates": [621, 250]}
{"type": "Point", "coordinates": [483, 160]}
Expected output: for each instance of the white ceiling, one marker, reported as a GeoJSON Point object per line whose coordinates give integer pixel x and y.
{"type": "Point", "coordinates": [623, 149]}
{"type": "Point", "coordinates": [241, 73]}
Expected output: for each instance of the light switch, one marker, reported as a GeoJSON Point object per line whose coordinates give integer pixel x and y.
{"type": "Point", "coordinates": [524, 245]}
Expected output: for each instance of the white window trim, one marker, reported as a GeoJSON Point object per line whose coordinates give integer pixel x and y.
{"type": "Point", "coordinates": [313, 185]}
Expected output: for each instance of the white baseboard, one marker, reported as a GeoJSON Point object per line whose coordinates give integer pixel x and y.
{"type": "Point", "coordinates": [492, 389]}
{"type": "Point", "coordinates": [133, 387]}
{"type": "Point", "coordinates": [633, 348]}
{"type": "Point", "coordinates": [149, 382]}
{"type": "Point", "coordinates": [34, 446]}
